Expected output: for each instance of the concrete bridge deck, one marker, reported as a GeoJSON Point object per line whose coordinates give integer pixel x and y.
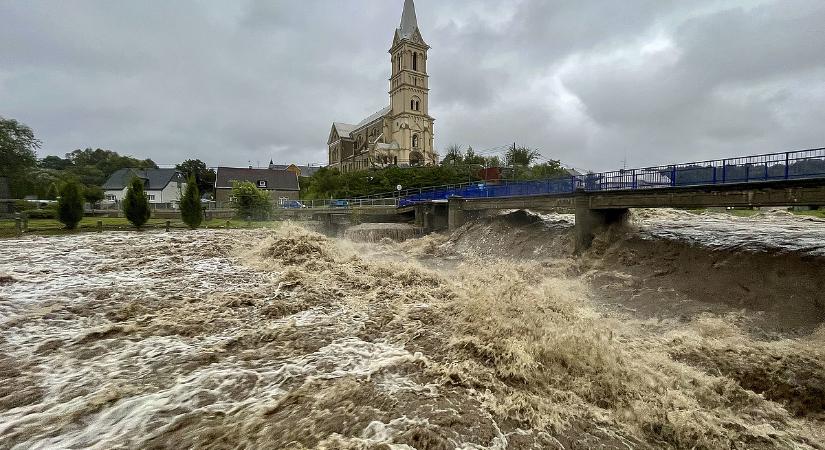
{"type": "Point", "coordinates": [594, 210]}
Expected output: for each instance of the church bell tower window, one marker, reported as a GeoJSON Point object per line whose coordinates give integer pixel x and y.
{"type": "Point", "coordinates": [415, 61]}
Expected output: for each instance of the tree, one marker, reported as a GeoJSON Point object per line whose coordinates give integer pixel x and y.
{"type": "Point", "coordinates": [471, 158]}
{"type": "Point", "coordinates": [204, 176]}
{"type": "Point", "coordinates": [18, 148]}
{"type": "Point", "coordinates": [136, 204]}
{"type": "Point", "coordinates": [550, 169]}
{"type": "Point", "coordinates": [250, 202]}
{"type": "Point", "coordinates": [521, 156]}
{"type": "Point", "coordinates": [70, 204]}
{"type": "Point", "coordinates": [94, 194]}
{"type": "Point", "coordinates": [190, 205]}
{"type": "Point", "coordinates": [454, 155]}
{"type": "Point", "coordinates": [492, 161]}
{"type": "Point", "coordinates": [93, 167]}
{"type": "Point", "coordinates": [54, 163]}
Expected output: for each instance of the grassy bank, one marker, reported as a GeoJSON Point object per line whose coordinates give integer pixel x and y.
{"type": "Point", "coordinates": [52, 227]}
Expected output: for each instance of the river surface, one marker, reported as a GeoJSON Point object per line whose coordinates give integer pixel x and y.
{"type": "Point", "coordinates": [289, 339]}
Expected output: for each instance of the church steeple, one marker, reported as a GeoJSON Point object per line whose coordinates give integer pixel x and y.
{"type": "Point", "coordinates": [412, 125]}
{"type": "Point", "coordinates": [409, 25]}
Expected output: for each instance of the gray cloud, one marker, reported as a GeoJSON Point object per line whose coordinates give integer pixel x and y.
{"type": "Point", "coordinates": [586, 82]}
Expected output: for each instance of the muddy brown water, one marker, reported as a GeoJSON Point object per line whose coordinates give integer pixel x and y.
{"type": "Point", "coordinates": [494, 337]}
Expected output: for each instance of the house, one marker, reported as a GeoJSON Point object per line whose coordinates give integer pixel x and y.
{"type": "Point", "coordinates": [160, 185]}
{"type": "Point", "coordinates": [282, 185]}
{"type": "Point", "coordinates": [301, 171]}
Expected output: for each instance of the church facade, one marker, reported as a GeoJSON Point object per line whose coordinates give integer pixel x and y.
{"type": "Point", "coordinates": [400, 134]}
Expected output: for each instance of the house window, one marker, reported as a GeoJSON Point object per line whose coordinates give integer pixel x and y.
{"type": "Point", "coordinates": [151, 197]}
{"type": "Point", "coordinates": [262, 184]}
{"type": "Point", "coordinates": [111, 198]}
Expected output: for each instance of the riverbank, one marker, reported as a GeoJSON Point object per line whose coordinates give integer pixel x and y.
{"type": "Point", "coordinates": [52, 227]}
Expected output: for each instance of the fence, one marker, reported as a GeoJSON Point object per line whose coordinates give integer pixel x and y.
{"type": "Point", "coordinates": [803, 164]}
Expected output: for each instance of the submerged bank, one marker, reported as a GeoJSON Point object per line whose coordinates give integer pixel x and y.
{"type": "Point", "coordinates": [492, 337]}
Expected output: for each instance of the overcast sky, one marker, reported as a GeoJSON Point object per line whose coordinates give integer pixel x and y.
{"type": "Point", "coordinates": [587, 82]}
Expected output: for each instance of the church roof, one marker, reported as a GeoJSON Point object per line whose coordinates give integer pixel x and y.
{"type": "Point", "coordinates": [343, 129]}
{"type": "Point", "coordinates": [377, 115]}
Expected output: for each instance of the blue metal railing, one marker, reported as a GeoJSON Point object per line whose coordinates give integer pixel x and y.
{"type": "Point", "coordinates": [801, 164]}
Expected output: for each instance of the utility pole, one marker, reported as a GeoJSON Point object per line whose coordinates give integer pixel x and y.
{"type": "Point", "coordinates": [513, 162]}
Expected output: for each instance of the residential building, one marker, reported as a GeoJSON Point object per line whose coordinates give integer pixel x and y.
{"type": "Point", "coordinates": [301, 171]}
{"type": "Point", "coordinates": [160, 185]}
{"type": "Point", "coordinates": [282, 185]}
{"type": "Point", "coordinates": [402, 133]}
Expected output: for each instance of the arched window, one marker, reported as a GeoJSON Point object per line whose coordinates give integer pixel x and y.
{"type": "Point", "coordinates": [415, 61]}
{"type": "Point", "coordinates": [415, 141]}
{"type": "Point", "coordinates": [415, 104]}
{"type": "Point", "coordinates": [416, 159]}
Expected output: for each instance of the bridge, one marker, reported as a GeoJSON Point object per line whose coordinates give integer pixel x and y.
{"type": "Point", "coordinates": [601, 199]}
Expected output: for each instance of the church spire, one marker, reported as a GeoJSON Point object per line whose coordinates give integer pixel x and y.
{"type": "Point", "coordinates": [409, 23]}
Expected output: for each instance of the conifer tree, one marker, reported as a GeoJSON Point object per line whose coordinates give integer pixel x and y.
{"type": "Point", "coordinates": [70, 205]}
{"type": "Point", "coordinates": [190, 205]}
{"type": "Point", "coordinates": [136, 204]}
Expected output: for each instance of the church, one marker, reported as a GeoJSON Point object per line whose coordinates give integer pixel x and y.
{"type": "Point", "coordinates": [400, 134]}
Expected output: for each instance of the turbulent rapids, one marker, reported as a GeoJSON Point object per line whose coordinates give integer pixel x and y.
{"type": "Point", "coordinates": [669, 335]}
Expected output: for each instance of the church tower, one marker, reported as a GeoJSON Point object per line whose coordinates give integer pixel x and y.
{"type": "Point", "coordinates": [400, 134]}
{"type": "Point", "coordinates": [411, 126]}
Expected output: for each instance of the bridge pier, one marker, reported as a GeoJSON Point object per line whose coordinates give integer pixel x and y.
{"type": "Point", "coordinates": [591, 221]}
{"type": "Point", "coordinates": [431, 217]}
{"type": "Point", "coordinates": [455, 213]}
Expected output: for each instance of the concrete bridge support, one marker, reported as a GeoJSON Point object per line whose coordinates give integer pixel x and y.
{"type": "Point", "coordinates": [431, 217]}
{"type": "Point", "coordinates": [589, 222]}
{"type": "Point", "coordinates": [455, 213]}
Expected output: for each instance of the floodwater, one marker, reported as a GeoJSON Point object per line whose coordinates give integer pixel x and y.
{"type": "Point", "coordinates": [290, 339]}
{"type": "Point", "coordinates": [769, 231]}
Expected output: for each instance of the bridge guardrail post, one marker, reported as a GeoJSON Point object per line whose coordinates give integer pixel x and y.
{"type": "Point", "coordinates": [724, 171]}
{"type": "Point", "coordinates": [787, 165]}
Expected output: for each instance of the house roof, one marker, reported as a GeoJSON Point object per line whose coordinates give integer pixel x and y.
{"type": "Point", "coordinates": [153, 179]}
{"type": "Point", "coordinates": [280, 180]}
{"type": "Point", "coordinates": [306, 171]}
